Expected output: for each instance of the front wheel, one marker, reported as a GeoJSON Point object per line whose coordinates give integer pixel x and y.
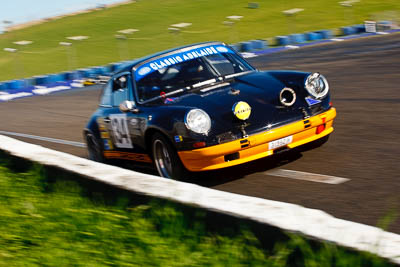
{"type": "Point", "coordinates": [166, 159]}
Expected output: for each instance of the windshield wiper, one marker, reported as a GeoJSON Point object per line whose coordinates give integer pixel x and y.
{"type": "Point", "coordinates": [233, 75]}
{"type": "Point", "coordinates": [211, 84]}
{"type": "Point", "coordinates": [206, 82]}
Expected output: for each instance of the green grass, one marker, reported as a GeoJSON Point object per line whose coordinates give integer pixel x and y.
{"type": "Point", "coordinates": [153, 17]}
{"type": "Point", "coordinates": [47, 219]}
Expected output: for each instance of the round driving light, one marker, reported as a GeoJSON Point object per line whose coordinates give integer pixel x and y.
{"type": "Point", "coordinates": [287, 97]}
{"type": "Point", "coordinates": [316, 85]}
{"type": "Point", "coordinates": [198, 121]}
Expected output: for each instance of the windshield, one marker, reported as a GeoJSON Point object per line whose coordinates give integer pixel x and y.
{"type": "Point", "coordinates": [186, 70]}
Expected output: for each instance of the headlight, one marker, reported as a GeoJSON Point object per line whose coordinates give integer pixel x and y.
{"type": "Point", "coordinates": [198, 121]}
{"type": "Point", "coordinates": [317, 85]}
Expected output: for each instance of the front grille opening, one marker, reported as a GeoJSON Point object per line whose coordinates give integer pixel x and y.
{"type": "Point", "coordinates": [232, 156]}
{"type": "Point", "coordinates": [225, 137]}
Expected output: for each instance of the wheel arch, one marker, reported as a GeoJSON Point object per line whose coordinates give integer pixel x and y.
{"type": "Point", "coordinates": [85, 132]}
{"type": "Point", "coordinates": [92, 127]}
{"type": "Point", "coordinates": [148, 135]}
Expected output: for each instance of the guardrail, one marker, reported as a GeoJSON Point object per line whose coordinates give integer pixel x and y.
{"type": "Point", "coordinates": [312, 223]}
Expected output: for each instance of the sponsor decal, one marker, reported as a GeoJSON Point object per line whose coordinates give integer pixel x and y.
{"type": "Point", "coordinates": [100, 122]}
{"type": "Point", "coordinates": [178, 138]}
{"type": "Point", "coordinates": [310, 101]}
{"type": "Point", "coordinates": [106, 144]}
{"type": "Point", "coordinates": [222, 49]}
{"type": "Point", "coordinates": [241, 110]}
{"type": "Point", "coordinates": [178, 58]}
{"type": "Point", "coordinates": [169, 100]}
{"type": "Point", "coordinates": [105, 135]}
{"type": "Point", "coordinates": [144, 70]}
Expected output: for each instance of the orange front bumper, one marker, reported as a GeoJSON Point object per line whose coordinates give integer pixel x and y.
{"type": "Point", "coordinates": [213, 157]}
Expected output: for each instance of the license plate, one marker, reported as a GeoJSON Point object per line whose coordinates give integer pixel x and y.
{"type": "Point", "coordinates": [280, 142]}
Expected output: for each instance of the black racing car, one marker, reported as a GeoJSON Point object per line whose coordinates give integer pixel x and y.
{"type": "Point", "coordinates": [203, 107]}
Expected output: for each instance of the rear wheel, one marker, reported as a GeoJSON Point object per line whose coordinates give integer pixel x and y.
{"type": "Point", "coordinates": [166, 159]}
{"type": "Point", "coordinates": [94, 148]}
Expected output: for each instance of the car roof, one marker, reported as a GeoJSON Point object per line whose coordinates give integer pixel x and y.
{"type": "Point", "coordinates": [129, 65]}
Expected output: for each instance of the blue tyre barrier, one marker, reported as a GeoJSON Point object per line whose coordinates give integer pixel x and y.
{"type": "Point", "coordinates": [313, 36]}
{"type": "Point", "coordinates": [72, 75]}
{"type": "Point", "coordinates": [15, 84]}
{"type": "Point", "coordinates": [107, 68]}
{"type": "Point", "coordinates": [352, 30]}
{"type": "Point", "coordinates": [86, 73]}
{"type": "Point", "coordinates": [7, 85]}
{"type": "Point", "coordinates": [53, 78]}
{"type": "Point", "coordinates": [64, 76]}
{"type": "Point", "coordinates": [246, 46]}
{"type": "Point", "coordinates": [283, 40]}
{"type": "Point", "coordinates": [94, 72]}
{"type": "Point", "coordinates": [102, 70]}
{"type": "Point", "coordinates": [115, 66]}
{"type": "Point", "coordinates": [348, 30]}
{"type": "Point", "coordinates": [344, 30]}
{"type": "Point", "coordinates": [41, 79]}
{"type": "Point", "coordinates": [360, 28]}
{"type": "Point", "coordinates": [259, 44]}
{"type": "Point", "coordinates": [82, 72]}
{"type": "Point", "coordinates": [3, 86]}
{"type": "Point", "coordinates": [30, 82]}
{"type": "Point", "coordinates": [297, 38]}
{"type": "Point", "coordinates": [235, 47]}
{"type": "Point", "coordinates": [325, 34]}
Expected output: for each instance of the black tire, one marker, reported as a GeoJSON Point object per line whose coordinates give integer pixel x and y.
{"type": "Point", "coordinates": [94, 148]}
{"type": "Point", "coordinates": [315, 144]}
{"type": "Point", "coordinates": [166, 158]}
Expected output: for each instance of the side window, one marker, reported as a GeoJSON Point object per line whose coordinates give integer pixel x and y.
{"type": "Point", "coordinates": [106, 98]}
{"type": "Point", "coordinates": [120, 90]}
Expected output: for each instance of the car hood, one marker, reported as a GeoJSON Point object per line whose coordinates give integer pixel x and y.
{"type": "Point", "coordinates": [259, 89]}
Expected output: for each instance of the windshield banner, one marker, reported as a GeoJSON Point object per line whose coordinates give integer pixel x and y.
{"type": "Point", "coordinates": [173, 59]}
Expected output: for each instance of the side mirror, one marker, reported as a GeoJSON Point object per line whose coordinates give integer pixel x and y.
{"type": "Point", "coordinates": [121, 82]}
{"type": "Point", "coordinates": [128, 106]}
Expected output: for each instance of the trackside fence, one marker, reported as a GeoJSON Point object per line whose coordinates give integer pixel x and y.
{"type": "Point", "coordinates": [312, 223]}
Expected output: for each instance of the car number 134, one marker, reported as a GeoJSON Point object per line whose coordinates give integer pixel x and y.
{"type": "Point", "coordinates": [120, 131]}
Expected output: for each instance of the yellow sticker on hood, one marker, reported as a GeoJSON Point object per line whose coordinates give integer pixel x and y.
{"type": "Point", "coordinates": [241, 110]}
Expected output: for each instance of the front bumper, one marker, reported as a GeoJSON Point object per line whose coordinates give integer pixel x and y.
{"type": "Point", "coordinates": [256, 146]}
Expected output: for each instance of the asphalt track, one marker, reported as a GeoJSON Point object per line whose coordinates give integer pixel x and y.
{"type": "Point", "coordinates": [365, 82]}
